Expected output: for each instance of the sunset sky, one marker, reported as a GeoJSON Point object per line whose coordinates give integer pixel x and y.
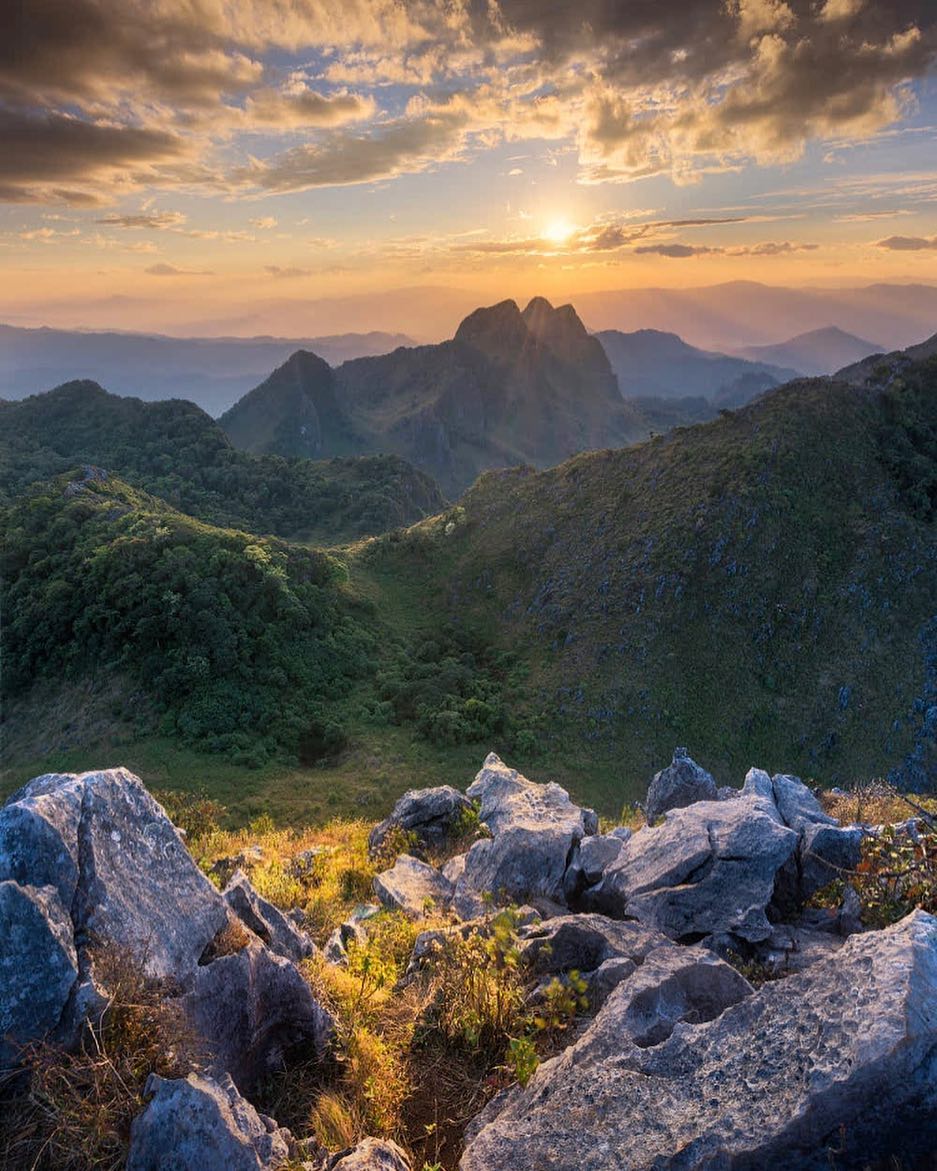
{"type": "Point", "coordinates": [164, 163]}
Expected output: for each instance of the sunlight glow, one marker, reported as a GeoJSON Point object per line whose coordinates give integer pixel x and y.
{"type": "Point", "coordinates": [558, 231]}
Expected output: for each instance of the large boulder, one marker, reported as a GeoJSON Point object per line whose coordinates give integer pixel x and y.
{"type": "Point", "coordinates": [430, 815]}
{"type": "Point", "coordinates": [202, 1122]}
{"type": "Point", "coordinates": [681, 783]}
{"type": "Point", "coordinates": [266, 921]}
{"type": "Point", "coordinates": [831, 1067]}
{"type": "Point", "coordinates": [38, 965]}
{"type": "Point", "coordinates": [589, 861]}
{"type": "Point", "coordinates": [117, 862]}
{"type": "Point", "coordinates": [252, 1009]}
{"type": "Point", "coordinates": [534, 830]}
{"type": "Point", "coordinates": [413, 887]}
{"type": "Point", "coordinates": [710, 867]}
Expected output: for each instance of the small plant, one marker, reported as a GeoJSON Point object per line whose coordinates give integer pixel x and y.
{"type": "Point", "coordinates": [522, 1059]}
{"type": "Point", "coordinates": [562, 1000]}
{"type": "Point", "coordinates": [196, 814]}
{"type": "Point", "coordinates": [896, 874]}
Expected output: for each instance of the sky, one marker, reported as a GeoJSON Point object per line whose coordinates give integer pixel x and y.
{"type": "Point", "coordinates": [173, 164]}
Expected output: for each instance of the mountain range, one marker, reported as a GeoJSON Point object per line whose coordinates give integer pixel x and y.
{"type": "Point", "coordinates": [819, 351]}
{"type": "Point", "coordinates": [510, 388]}
{"type": "Point", "coordinates": [213, 372]}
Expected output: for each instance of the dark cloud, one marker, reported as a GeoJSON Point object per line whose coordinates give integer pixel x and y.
{"type": "Point", "coordinates": [675, 251]}
{"type": "Point", "coordinates": [908, 243]}
{"type": "Point", "coordinates": [288, 273]}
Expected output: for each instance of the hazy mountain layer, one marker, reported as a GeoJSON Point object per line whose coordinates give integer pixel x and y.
{"type": "Point", "coordinates": [212, 372]}
{"type": "Point", "coordinates": [820, 351]}
{"type": "Point", "coordinates": [649, 363]}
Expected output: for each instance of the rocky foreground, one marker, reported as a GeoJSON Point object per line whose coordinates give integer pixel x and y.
{"type": "Point", "coordinates": [683, 1064]}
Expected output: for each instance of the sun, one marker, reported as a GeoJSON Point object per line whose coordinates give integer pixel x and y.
{"type": "Point", "coordinates": [558, 231]}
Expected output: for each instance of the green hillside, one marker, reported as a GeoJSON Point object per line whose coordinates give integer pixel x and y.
{"type": "Point", "coordinates": [761, 588]}
{"type": "Point", "coordinates": [176, 451]}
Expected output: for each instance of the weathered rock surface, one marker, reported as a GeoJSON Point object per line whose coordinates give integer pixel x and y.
{"type": "Point", "coordinates": [117, 862]}
{"type": "Point", "coordinates": [266, 921]}
{"type": "Point", "coordinates": [835, 1066]}
{"type": "Point", "coordinates": [200, 1123]}
{"type": "Point", "coordinates": [372, 1154]}
{"type": "Point", "coordinates": [38, 965]}
{"type": "Point", "coordinates": [429, 814]}
{"type": "Point", "coordinates": [590, 859]}
{"type": "Point", "coordinates": [251, 1009]}
{"type": "Point", "coordinates": [825, 853]}
{"type": "Point", "coordinates": [534, 829]}
{"type": "Point", "coordinates": [413, 887]}
{"type": "Point", "coordinates": [681, 783]}
{"type": "Point", "coordinates": [710, 867]}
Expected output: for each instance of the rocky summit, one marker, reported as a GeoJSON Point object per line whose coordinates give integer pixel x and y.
{"type": "Point", "coordinates": [702, 1011]}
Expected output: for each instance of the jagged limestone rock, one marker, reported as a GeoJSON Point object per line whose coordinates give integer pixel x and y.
{"type": "Point", "coordinates": [534, 830]}
{"type": "Point", "coordinates": [710, 867]}
{"type": "Point", "coordinates": [199, 1122]}
{"type": "Point", "coordinates": [38, 966]}
{"type": "Point", "coordinates": [681, 783]}
{"type": "Point", "coordinates": [266, 921]}
{"type": "Point", "coordinates": [429, 814]}
{"type": "Point", "coordinates": [832, 1066]}
{"type": "Point", "coordinates": [413, 887]}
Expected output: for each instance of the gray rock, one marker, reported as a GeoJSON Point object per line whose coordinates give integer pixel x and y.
{"type": "Point", "coordinates": [834, 1066]}
{"type": "Point", "coordinates": [796, 804]}
{"type": "Point", "coordinates": [758, 784]}
{"type": "Point", "coordinates": [251, 1009]}
{"type": "Point", "coordinates": [38, 965]}
{"type": "Point", "coordinates": [710, 867]}
{"type": "Point", "coordinates": [196, 1123]}
{"type": "Point", "coordinates": [266, 921]}
{"type": "Point", "coordinates": [430, 814]}
{"type": "Point", "coordinates": [597, 853]}
{"type": "Point", "coordinates": [534, 829]}
{"type": "Point", "coordinates": [454, 868]}
{"type": "Point", "coordinates": [825, 853]}
{"type": "Point", "coordinates": [584, 943]}
{"type": "Point", "coordinates": [124, 871]}
{"type": "Point", "coordinates": [372, 1154]}
{"type": "Point", "coordinates": [413, 887]}
{"type": "Point", "coordinates": [681, 783]}
{"type": "Point", "coordinates": [622, 832]}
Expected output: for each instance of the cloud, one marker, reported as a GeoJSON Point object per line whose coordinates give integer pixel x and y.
{"type": "Point", "coordinates": [908, 243]}
{"type": "Point", "coordinates": [171, 270]}
{"type": "Point", "coordinates": [264, 223]}
{"type": "Point", "coordinates": [294, 108]}
{"type": "Point", "coordinates": [157, 220]}
{"type": "Point", "coordinates": [286, 273]}
{"type": "Point", "coordinates": [679, 251]}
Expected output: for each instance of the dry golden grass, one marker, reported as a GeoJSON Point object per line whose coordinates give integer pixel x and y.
{"type": "Point", "coordinates": [876, 803]}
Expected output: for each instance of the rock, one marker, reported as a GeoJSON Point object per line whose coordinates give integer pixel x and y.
{"type": "Point", "coordinates": [826, 852]}
{"type": "Point", "coordinates": [223, 868]}
{"type": "Point", "coordinates": [454, 868]}
{"type": "Point", "coordinates": [266, 921]}
{"type": "Point", "coordinates": [372, 1154]}
{"type": "Point", "coordinates": [119, 865]}
{"type": "Point", "coordinates": [251, 1009]}
{"type": "Point", "coordinates": [413, 887]}
{"type": "Point", "coordinates": [682, 783]}
{"type": "Point", "coordinates": [429, 814]}
{"type": "Point", "coordinates": [590, 860]}
{"type": "Point", "coordinates": [622, 832]}
{"type": "Point", "coordinates": [38, 965]}
{"type": "Point", "coordinates": [584, 943]}
{"type": "Point", "coordinates": [353, 930]}
{"type": "Point", "coordinates": [834, 1066]}
{"type": "Point", "coordinates": [534, 829]}
{"type": "Point", "coordinates": [202, 1122]}
{"type": "Point", "coordinates": [796, 804]}
{"type": "Point", "coordinates": [758, 784]}
{"type": "Point", "coordinates": [710, 867]}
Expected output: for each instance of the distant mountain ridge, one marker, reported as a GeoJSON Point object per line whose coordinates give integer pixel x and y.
{"type": "Point", "coordinates": [817, 352]}
{"type": "Point", "coordinates": [212, 372]}
{"type": "Point", "coordinates": [653, 363]}
{"type": "Point", "coordinates": [510, 388]}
